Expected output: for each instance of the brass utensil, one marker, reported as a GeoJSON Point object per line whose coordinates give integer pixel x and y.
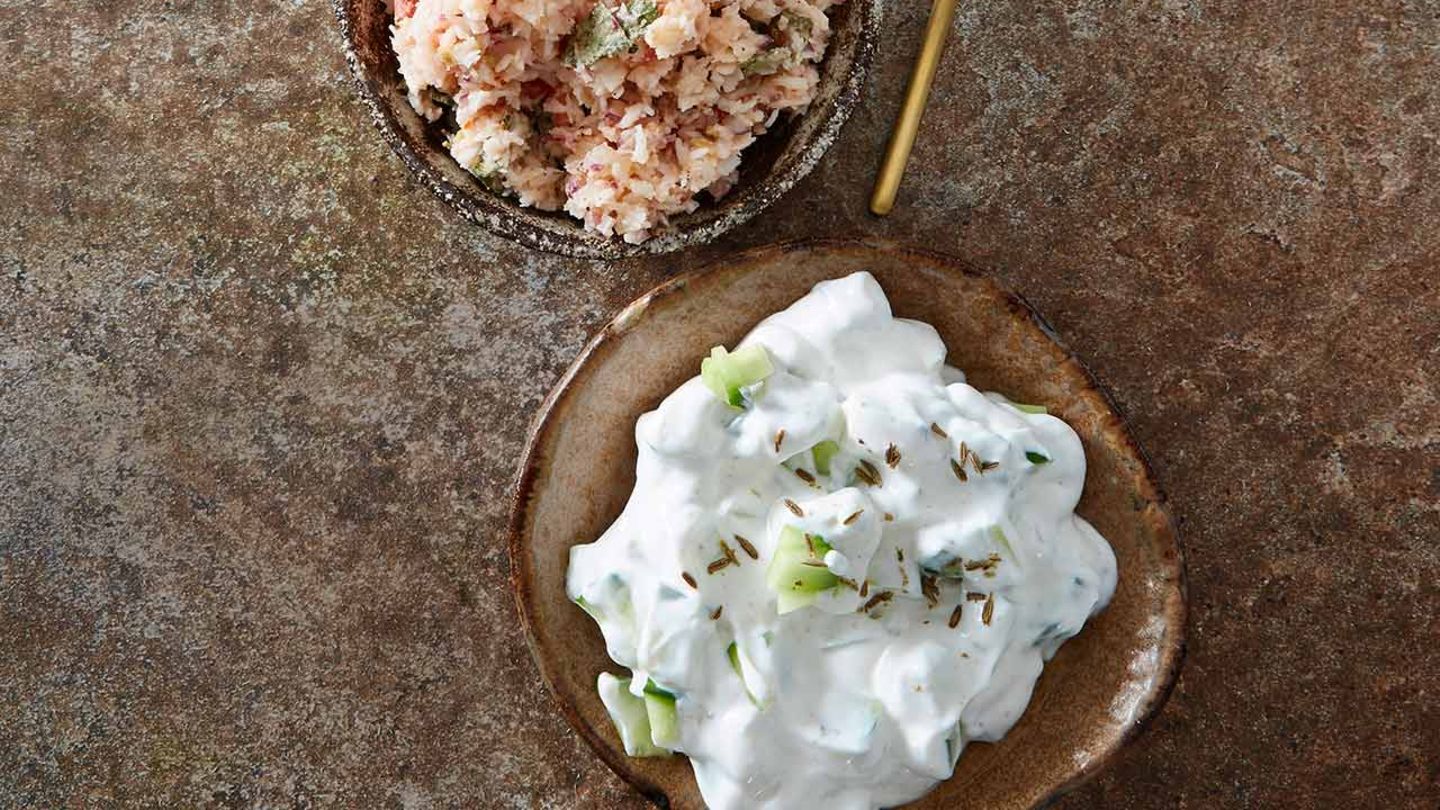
{"type": "Point", "coordinates": [902, 139]}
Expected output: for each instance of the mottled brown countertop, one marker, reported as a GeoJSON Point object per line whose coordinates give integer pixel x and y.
{"type": "Point", "coordinates": [261, 395]}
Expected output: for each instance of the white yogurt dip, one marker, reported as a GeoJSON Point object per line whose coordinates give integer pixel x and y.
{"type": "Point", "coordinates": [834, 584]}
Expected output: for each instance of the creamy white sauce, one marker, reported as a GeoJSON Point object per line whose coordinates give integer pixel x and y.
{"type": "Point", "coordinates": [842, 707]}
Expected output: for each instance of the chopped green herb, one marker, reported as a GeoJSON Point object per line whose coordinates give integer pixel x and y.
{"type": "Point", "coordinates": [766, 63]}
{"type": "Point", "coordinates": [1029, 408]}
{"type": "Point", "coordinates": [1036, 458]}
{"type": "Point", "coordinates": [637, 15]}
{"type": "Point", "coordinates": [608, 31]}
{"type": "Point", "coordinates": [798, 23]}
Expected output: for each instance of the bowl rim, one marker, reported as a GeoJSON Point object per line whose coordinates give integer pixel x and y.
{"type": "Point", "coordinates": [1175, 609]}
{"type": "Point", "coordinates": [502, 217]}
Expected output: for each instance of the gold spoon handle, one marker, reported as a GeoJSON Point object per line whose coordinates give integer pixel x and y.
{"type": "Point", "coordinates": [902, 139]}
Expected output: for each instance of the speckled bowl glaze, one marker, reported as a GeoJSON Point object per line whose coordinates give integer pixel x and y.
{"type": "Point", "coordinates": [771, 166]}
{"type": "Point", "coordinates": [578, 470]}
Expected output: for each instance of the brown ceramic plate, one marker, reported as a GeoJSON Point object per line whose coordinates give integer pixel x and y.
{"type": "Point", "coordinates": [578, 470]}
{"type": "Point", "coordinates": [772, 165]}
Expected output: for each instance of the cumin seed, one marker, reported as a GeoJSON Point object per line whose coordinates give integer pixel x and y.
{"type": "Point", "coordinates": [779, 439]}
{"type": "Point", "coordinates": [794, 508]}
{"type": "Point", "coordinates": [883, 596]}
{"type": "Point", "coordinates": [892, 456]}
{"type": "Point", "coordinates": [930, 587]}
{"type": "Point", "coordinates": [987, 466]}
{"type": "Point", "coordinates": [959, 469]}
{"type": "Point", "coordinates": [989, 611]}
{"type": "Point", "coordinates": [955, 616]}
{"type": "Point", "coordinates": [864, 589]}
{"type": "Point", "coordinates": [715, 616]}
{"type": "Point", "coordinates": [749, 549]}
{"type": "Point", "coordinates": [689, 580]}
{"type": "Point", "coordinates": [938, 431]}
{"type": "Point", "coordinates": [804, 475]}
{"type": "Point", "coordinates": [976, 597]}
{"type": "Point", "coordinates": [729, 552]}
{"type": "Point", "coordinates": [847, 521]}
{"type": "Point", "coordinates": [717, 565]}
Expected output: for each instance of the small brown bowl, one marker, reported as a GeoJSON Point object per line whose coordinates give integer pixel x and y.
{"type": "Point", "coordinates": [771, 167]}
{"type": "Point", "coordinates": [578, 470]}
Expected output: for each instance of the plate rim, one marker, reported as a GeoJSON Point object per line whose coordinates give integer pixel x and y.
{"type": "Point", "coordinates": [1175, 608]}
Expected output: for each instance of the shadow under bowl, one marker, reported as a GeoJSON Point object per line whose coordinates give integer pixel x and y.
{"type": "Point", "coordinates": [771, 166]}
{"type": "Point", "coordinates": [577, 473]}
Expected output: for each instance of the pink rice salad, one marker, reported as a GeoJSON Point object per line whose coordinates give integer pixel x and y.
{"type": "Point", "coordinates": [619, 111]}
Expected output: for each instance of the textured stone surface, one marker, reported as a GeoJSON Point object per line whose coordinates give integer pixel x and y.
{"type": "Point", "coordinates": [260, 395]}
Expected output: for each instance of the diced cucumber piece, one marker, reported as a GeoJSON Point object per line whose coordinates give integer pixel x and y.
{"type": "Point", "coordinates": [797, 571]}
{"type": "Point", "coordinates": [798, 564]}
{"type": "Point", "coordinates": [733, 653]}
{"type": "Point", "coordinates": [787, 601]}
{"type": "Point", "coordinates": [1020, 406]}
{"type": "Point", "coordinates": [664, 721]}
{"type": "Point", "coordinates": [630, 715]}
{"type": "Point", "coordinates": [652, 688]}
{"type": "Point", "coordinates": [726, 373]}
{"type": "Point", "coordinates": [803, 576]}
{"type": "Point", "coordinates": [1036, 458]}
{"type": "Point", "coordinates": [823, 452]}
